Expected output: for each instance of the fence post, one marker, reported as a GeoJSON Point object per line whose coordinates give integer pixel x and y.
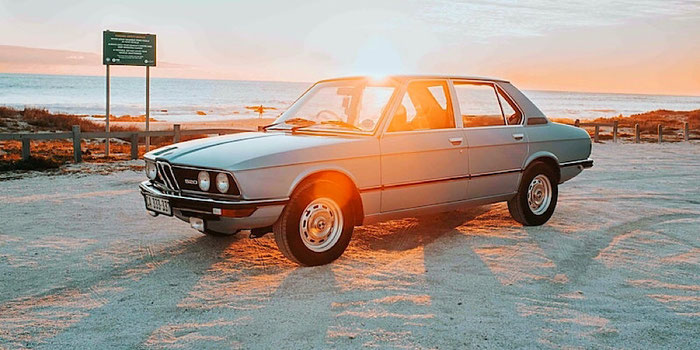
{"type": "Point", "coordinates": [615, 124]}
{"type": "Point", "coordinates": [176, 128]}
{"type": "Point", "coordinates": [26, 152]}
{"type": "Point", "coordinates": [577, 123]}
{"type": "Point", "coordinates": [686, 130]}
{"type": "Point", "coordinates": [661, 133]}
{"type": "Point", "coordinates": [596, 136]}
{"type": "Point", "coordinates": [636, 133]}
{"type": "Point", "coordinates": [77, 152]}
{"type": "Point", "coordinates": [134, 146]}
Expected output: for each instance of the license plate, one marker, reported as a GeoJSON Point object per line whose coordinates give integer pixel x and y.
{"type": "Point", "coordinates": [158, 205]}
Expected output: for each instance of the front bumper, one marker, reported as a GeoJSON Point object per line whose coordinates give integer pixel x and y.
{"type": "Point", "coordinates": [264, 212]}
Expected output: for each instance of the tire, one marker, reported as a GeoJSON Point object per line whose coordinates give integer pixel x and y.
{"type": "Point", "coordinates": [316, 225]}
{"type": "Point", "coordinates": [543, 180]}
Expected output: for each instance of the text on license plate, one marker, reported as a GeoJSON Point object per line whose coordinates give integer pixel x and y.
{"type": "Point", "coordinates": [158, 205]}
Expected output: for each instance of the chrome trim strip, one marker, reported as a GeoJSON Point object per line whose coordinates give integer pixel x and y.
{"type": "Point", "coordinates": [497, 173]}
{"type": "Point", "coordinates": [144, 186]}
{"type": "Point", "coordinates": [454, 178]}
{"type": "Point", "coordinates": [586, 163]}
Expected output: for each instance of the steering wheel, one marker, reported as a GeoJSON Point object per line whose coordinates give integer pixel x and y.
{"type": "Point", "coordinates": [328, 111]}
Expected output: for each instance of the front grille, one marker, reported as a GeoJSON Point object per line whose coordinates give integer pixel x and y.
{"type": "Point", "coordinates": [165, 174]}
{"type": "Point", "coordinates": [186, 174]}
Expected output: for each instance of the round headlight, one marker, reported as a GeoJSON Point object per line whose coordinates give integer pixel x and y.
{"type": "Point", "coordinates": [151, 170]}
{"type": "Point", "coordinates": [203, 181]}
{"type": "Point", "coordinates": [222, 182]}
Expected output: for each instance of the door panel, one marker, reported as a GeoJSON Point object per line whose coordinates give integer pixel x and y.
{"type": "Point", "coordinates": [424, 160]}
{"type": "Point", "coordinates": [496, 150]}
{"type": "Point", "coordinates": [496, 155]}
{"type": "Point", "coordinates": [423, 168]}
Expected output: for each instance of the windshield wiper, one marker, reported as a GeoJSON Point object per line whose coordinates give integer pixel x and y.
{"type": "Point", "coordinates": [292, 121]}
{"type": "Point", "coordinates": [342, 124]}
{"type": "Point", "coordinates": [329, 122]}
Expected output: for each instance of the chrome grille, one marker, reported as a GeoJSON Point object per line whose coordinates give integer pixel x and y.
{"type": "Point", "coordinates": [165, 173]}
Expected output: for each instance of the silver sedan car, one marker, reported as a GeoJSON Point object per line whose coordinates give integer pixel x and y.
{"type": "Point", "coordinates": [354, 151]}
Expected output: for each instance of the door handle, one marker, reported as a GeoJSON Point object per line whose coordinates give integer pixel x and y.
{"type": "Point", "coordinates": [518, 136]}
{"type": "Point", "coordinates": [456, 141]}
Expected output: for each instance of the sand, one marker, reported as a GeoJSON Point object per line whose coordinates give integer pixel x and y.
{"type": "Point", "coordinates": [82, 265]}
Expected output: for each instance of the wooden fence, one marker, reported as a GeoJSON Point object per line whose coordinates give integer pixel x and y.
{"type": "Point", "coordinates": [76, 135]}
{"type": "Point", "coordinates": [637, 133]}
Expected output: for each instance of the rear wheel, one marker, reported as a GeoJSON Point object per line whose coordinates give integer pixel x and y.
{"type": "Point", "coordinates": [537, 195]}
{"type": "Point", "coordinates": [316, 225]}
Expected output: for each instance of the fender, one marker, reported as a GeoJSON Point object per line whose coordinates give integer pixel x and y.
{"type": "Point", "coordinates": [319, 168]}
{"type": "Point", "coordinates": [539, 154]}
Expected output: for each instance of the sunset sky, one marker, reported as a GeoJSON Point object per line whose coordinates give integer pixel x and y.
{"type": "Point", "coordinates": [640, 46]}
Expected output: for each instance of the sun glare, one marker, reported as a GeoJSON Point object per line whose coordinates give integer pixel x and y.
{"type": "Point", "coordinates": [377, 58]}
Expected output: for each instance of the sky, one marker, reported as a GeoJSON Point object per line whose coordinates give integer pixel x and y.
{"type": "Point", "coordinates": [641, 46]}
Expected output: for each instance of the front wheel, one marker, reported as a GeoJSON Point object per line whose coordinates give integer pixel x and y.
{"type": "Point", "coordinates": [316, 225]}
{"type": "Point", "coordinates": [537, 195]}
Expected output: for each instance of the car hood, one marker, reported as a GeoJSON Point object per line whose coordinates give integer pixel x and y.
{"type": "Point", "coordinates": [252, 150]}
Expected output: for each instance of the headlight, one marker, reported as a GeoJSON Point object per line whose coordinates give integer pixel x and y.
{"type": "Point", "coordinates": [203, 180]}
{"type": "Point", "coordinates": [151, 170]}
{"type": "Point", "coordinates": [222, 182]}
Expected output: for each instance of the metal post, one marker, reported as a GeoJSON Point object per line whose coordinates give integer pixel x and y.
{"type": "Point", "coordinates": [134, 146]}
{"type": "Point", "coordinates": [176, 129]}
{"type": "Point", "coordinates": [77, 152]}
{"type": "Point", "coordinates": [26, 152]}
{"type": "Point", "coordinates": [615, 124]}
{"type": "Point", "coordinates": [148, 106]}
{"type": "Point", "coordinates": [661, 133]}
{"type": "Point", "coordinates": [636, 133]}
{"type": "Point", "coordinates": [686, 130]}
{"type": "Point", "coordinates": [596, 137]}
{"type": "Point", "coordinates": [107, 117]}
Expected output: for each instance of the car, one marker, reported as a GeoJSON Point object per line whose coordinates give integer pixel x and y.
{"type": "Point", "coordinates": [360, 150]}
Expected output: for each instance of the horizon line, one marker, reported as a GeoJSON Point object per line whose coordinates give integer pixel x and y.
{"type": "Point", "coordinates": [336, 77]}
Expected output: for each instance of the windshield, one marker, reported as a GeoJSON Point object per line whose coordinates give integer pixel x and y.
{"type": "Point", "coordinates": [352, 104]}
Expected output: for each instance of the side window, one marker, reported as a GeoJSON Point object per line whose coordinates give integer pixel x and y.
{"type": "Point", "coordinates": [478, 104]}
{"type": "Point", "coordinates": [513, 116]}
{"type": "Point", "coordinates": [426, 105]}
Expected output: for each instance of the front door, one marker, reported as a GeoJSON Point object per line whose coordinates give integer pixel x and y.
{"type": "Point", "coordinates": [497, 142]}
{"type": "Point", "coordinates": [423, 153]}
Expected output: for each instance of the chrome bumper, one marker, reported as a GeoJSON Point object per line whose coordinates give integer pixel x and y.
{"type": "Point", "coordinates": [204, 205]}
{"type": "Point", "coordinates": [585, 164]}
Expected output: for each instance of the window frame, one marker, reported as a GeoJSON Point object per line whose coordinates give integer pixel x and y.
{"type": "Point", "coordinates": [401, 93]}
{"type": "Point", "coordinates": [496, 89]}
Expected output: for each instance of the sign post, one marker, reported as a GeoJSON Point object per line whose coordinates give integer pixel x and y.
{"type": "Point", "coordinates": [129, 49]}
{"type": "Point", "coordinates": [107, 117]}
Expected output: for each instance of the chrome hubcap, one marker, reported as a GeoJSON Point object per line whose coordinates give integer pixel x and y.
{"type": "Point", "coordinates": [539, 194]}
{"type": "Point", "coordinates": [321, 224]}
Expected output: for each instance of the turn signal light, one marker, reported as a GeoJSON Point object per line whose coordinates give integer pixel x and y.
{"type": "Point", "coordinates": [234, 213]}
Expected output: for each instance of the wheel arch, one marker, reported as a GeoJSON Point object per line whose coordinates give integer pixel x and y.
{"type": "Point", "coordinates": [545, 157]}
{"type": "Point", "coordinates": [336, 175]}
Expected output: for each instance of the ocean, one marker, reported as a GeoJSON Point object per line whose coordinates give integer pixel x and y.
{"type": "Point", "coordinates": [180, 100]}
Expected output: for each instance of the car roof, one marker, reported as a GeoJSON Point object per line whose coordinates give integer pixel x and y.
{"type": "Point", "coordinates": [424, 76]}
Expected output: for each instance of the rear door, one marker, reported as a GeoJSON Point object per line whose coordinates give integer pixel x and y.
{"type": "Point", "coordinates": [492, 126]}
{"type": "Point", "coordinates": [423, 152]}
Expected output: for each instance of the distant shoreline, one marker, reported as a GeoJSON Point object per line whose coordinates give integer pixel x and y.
{"type": "Point", "coordinates": [310, 82]}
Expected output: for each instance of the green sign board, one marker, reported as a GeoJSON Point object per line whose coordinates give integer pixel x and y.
{"type": "Point", "coordinates": [128, 49]}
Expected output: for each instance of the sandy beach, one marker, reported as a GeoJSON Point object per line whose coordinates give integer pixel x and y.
{"type": "Point", "coordinates": [617, 266]}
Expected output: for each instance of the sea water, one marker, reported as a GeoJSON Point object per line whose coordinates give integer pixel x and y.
{"type": "Point", "coordinates": [186, 99]}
